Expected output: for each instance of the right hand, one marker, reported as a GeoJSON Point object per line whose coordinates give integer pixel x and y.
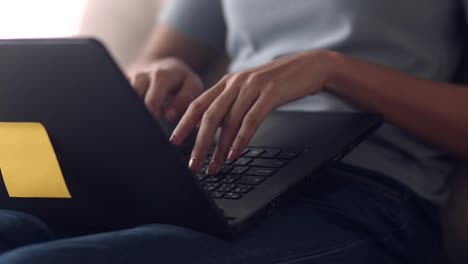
{"type": "Point", "coordinates": [168, 86]}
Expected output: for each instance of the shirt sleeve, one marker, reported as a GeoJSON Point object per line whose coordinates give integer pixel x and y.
{"type": "Point", "coordinates": [200, 20]}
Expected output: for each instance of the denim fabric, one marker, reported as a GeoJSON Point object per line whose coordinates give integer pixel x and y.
{"type": "Point", "coordinates": [18, 229]}
{"type": "Point", "coordinates": [340, 218]}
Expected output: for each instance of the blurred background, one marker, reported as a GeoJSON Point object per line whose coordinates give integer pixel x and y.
{"type": "Point", "coordinates": [122, 25]}
{"type": "Point", "coordinates": [46, 18]}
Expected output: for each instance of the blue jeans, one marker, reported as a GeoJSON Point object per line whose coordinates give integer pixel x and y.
{"type": "Point", "coordinates": [347, 216]}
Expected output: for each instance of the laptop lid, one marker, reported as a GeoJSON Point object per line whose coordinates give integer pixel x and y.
{"type": "Point", "coordinates": [107, 143]}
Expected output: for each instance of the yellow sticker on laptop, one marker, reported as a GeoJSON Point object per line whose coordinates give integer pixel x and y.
{"type": "Point", "coordinates": [28, 162]}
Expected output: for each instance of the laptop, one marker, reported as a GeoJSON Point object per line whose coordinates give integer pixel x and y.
{"type": "Point", "coordinates": [118, 164]}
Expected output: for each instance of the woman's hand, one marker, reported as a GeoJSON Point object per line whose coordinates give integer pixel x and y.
{"type": "Point", "coordinates": [241, 101]}
{"type": "Point", "coordinates": [168, 85]}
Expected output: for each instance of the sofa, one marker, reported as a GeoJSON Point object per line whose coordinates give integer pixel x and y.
{"type": "Point", "coordinates": [121, 24]}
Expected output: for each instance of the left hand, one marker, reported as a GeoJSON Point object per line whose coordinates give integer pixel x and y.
{"type": "Point", "coordinates": [241, 101]}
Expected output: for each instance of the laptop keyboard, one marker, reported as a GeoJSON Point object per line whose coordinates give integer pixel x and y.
{"type": "Point", "coordinates": [243, 175]}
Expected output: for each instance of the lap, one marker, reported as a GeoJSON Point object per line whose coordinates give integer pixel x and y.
{"type": "Point", "coordinates": [18, 229]}
{"type": "Point", "coordinates": [330, 221]}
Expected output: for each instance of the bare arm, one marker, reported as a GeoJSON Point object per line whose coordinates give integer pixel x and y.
{"type": "Point", "coordinates": [434, 111]}
{"type": "Point", "coordinates": [167, 43]}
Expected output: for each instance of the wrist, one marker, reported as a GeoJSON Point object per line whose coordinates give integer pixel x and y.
{"type": "Point", "coordinates": [334, 64]}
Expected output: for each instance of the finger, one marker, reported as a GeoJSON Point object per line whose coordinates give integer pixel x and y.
{"type": "Point", "coordinates": [141, 83]}
{"type": "Point", "coordinates": [233, 121]}
{"type": "Point", "coordinates": [129, 78]}
{"type": "Point", "coordinates": [159, 88]}
{"type": "Point", "coordinates": [251, 122]}
{"type": "Point", "coordinates": [191, 89]}
{"type": "Point", "coordinates": [194, 113]}
{"type": "Point", "coordinates": [211, 121]}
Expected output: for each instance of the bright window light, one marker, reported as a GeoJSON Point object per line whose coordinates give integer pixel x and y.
{"type": "Point", "coordinates": [40, 18]}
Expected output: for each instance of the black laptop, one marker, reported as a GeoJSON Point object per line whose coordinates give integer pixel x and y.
{"type": "Point", "coordinates": [117, 161]}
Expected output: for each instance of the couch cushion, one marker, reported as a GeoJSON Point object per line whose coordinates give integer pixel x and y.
{"type": "Point", "coordinates": [121, 24]}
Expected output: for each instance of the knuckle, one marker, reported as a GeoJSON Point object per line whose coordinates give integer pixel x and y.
{"type": "Point", "coordinates": [195, 106]}
{"type": "Point", "coordinates": [237, 79]}
{"type": "Point", "coordinates": [139, 79]}
{"type": "Point", "coordinates": [250, 121]}
{"type": "Point", "coordinates": [150, 105]}
{"type": "Point", "coordinates": [139, 76]}
{"type": "Point", "coordinates": [140, 83]}
{"type": "Point", "coordinates": [149, 101]}
{"type": "Point", "coordinates": [172, 59]}
{"type": "Point", "coordinates": [256, 80]}
{"type": "Point", "coordinates": [210, 116]}
{"type": "Point", "coordinates": [160, 73]}
{"type": "Point", "coordinates": [270, 89]}
{"type": "Point", "coordinates": [228, 77]}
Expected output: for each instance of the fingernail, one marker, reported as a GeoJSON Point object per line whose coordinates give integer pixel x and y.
{"type": "Point", "coordinates": [213, 168]}
{"type": "Point", "coordinates": [193, 163]}
{"type": "Point", "coordinates": [171, 114]}
{"type": "Point", "coordinates": [232, 154]}
{"type": "Point", "coordinates": [173, 139]}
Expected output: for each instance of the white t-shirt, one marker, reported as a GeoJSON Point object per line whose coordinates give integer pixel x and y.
{"type": "Point", "coordinates": [420, 37]}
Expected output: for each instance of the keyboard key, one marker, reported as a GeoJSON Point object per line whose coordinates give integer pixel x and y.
{"type": "Point", "coordinates": [270, 153]}
{"type": "Point", "coordinates": [226, 169]}
{"type": "Point", "coordinates": [226, 188]}
{"type": "Point", "coordinates": [211, 187]}
{"type": "Point", "coordinates": [270, 163]}
{"type": "Point", "coordinates": [203, 169]}
{"type": "Point", "coordinates": [214, 178]}
{"type": "Point", "coordinates": [254, 153]}
{"type": "Point", "coordinates": [229, 162]}
{"type": "Point", "coordinates": [251, 180]}
{"type": "Point", "coordinates": [216, 195]}
{"type": "Point", "coordinates": [244, 152]}
{"type": "Point", "coordinates": [243, 189]}
{"type": "Point", "coordinates": [230, 179]}
{"type": "Point", "coordinates": [233, 196]}
{"type": "Point", "coordinates": [239, 170]}
{"type": "Point", "coordinates": [200, 176]}
{"type": "Point", "coordinates": [265, 172]}
{"type": "Point", "coordinates": [287, 155]}
{"type": "Point", "coordinates": [242, 161]}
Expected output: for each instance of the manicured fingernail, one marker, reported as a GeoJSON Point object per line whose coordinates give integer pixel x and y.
{"type": "Point", "coordinates": [213, 168]}
{"type": "Point", "coordinates": [232, 155]}
{"type": "Point", "coordinates": [193, 163]}
{"type": "Point", "coordinates": [173, 139]}
{"type": "Point", "coordinates": [171, 114]}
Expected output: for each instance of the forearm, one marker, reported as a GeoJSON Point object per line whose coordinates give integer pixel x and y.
{"type": "Point", "coordinates": [164, 43]}
{"type": "Point", "coordinates": [434, 111]}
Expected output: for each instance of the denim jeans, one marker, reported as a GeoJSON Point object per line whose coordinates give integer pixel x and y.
{"type": "Point", "coordinates": [346, 216]}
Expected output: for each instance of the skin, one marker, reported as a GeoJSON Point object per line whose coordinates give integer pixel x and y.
{"type": "Point", "coordinates": [433, 111]}
{"type": "Point", "coordinates": [165, 73]}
